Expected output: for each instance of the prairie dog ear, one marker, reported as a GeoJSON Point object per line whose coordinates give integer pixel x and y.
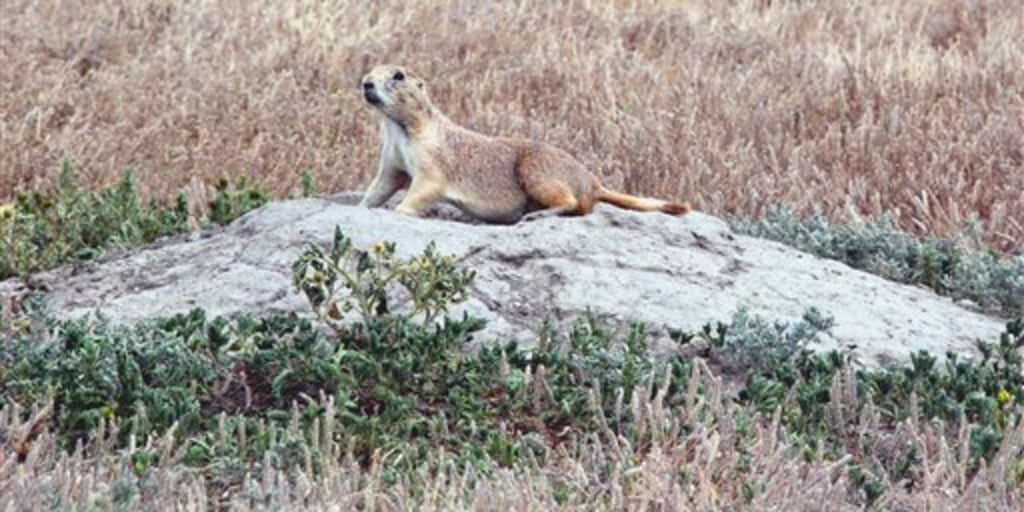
{"type": "Point", "coordinates": [419, 83]}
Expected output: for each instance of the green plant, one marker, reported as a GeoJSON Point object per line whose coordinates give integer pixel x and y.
{"type": "Point", "coordinates": [308, 183]}
{"type": "Point", "coordinates": [43, 229]}
{"type": "Point", "coordinates": [348, 279]}
{"type": "Point", "coordinates": [823, 400]}
{"type": "Point", "coordinates": [231, 201]}
{"type": "Point", "coordinates": [750, 343]}
{"type": "Point", "coordinates": [396, 391]}
{"type": "Point", "coordinates": [959, 268]}
{"type": "Point", "coordinates": [399, 380]}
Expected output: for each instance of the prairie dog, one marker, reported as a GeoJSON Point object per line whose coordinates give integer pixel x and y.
{"type": "Point", "coordinates": [494, 179]}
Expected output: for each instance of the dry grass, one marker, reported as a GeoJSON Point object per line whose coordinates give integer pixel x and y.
{"type": "Point", "coordinates": [914, 106]}
{"type": "Point", "coordinates": [695, 458]}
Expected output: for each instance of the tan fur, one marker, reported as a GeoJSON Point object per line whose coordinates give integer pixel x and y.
{"type": "Point", "coordinates": [495, 179]}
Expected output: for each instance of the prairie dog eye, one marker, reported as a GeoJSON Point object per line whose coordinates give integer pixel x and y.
{"type": "Point", "coordinates": [399, 76]}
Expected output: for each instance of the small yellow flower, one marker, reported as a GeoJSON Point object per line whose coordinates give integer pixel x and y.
{"type": "Point", "coordinates": [21, 325]}
{"type": "Point", "coordinates": [378, 248]}
{"type": "Point", "coordinates": [6, 211]}
{"type": "Point", "coordinates": [1004, 397]}
{"type": "Point", "coordinates": [108, 412]}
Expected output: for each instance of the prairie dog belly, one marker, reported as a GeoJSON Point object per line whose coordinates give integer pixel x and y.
{"type": "Point", "coordinates": [500, 204]}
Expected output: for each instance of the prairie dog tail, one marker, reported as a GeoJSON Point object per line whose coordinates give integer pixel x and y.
{"type": "Point", "coordinates": [643, 204]}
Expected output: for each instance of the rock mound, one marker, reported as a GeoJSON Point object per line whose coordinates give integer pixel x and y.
{"type": "Point", "coordinates": [666, 271]}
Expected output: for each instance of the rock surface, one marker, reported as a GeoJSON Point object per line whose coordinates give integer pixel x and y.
{"type": "Point", "coordinates": [667, 271]}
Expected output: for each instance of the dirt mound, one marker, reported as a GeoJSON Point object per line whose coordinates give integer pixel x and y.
{"type": "Point", "coordinates": [669, 272]}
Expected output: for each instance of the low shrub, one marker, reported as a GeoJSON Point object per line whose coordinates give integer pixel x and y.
{"type": "Point", "coordinates": [959, 268]}
{"type": "Point", "coordinates": [43, 229]}
{"type": "Point", "coordinates": [395, 391]}
{"type": "Point", "coordinates": [231, 201]}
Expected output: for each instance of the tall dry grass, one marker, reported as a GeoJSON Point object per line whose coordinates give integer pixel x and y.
{"type": "Point", "coordinates": [914, 106]}
{"type": "Point", "coordinates": [704, 456]}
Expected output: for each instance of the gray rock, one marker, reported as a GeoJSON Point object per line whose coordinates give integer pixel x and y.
{"type": "Point", "coordinates": [666, 271]}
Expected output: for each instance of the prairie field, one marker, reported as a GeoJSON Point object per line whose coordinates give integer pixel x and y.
{"type": "Point", "coordinates": [911, 107]}
{"type": "Point", "coordinates": [886, 134]}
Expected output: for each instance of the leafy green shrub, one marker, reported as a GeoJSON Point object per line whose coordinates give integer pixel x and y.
{"type": "Point", "coordinates": [399, 380]}
{"type": "Point", "coordinates": [833, 409]}
{"type": "Point", "coordinates": [411, 382]}
{"type": "Point", "coordinates": [750, 343]}
{"type": "Point", "coordinates": [307, 184]}
{"type": "Point", "coordinates": [957, 268]}
{"type": "Point", "coordinates": [44, 229]}
{"type": "Point", "coordinates": [148, 377]}
{"type": "Point", "coordinates": [396, 378]}
{"type": "Point", "coordinates": [348, 279]}
{"type": "Point", "coordinates": [231, 201]}
{"type": "Point", "coordinates": [824, 400]}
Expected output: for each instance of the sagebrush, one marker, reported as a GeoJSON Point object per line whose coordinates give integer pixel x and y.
{"type": "Point", "coordinates": [960, 267]}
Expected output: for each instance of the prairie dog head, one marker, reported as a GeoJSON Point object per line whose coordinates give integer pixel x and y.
{"type": "Point", "coordinates": [397, 93]}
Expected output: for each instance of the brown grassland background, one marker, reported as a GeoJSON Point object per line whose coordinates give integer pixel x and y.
{"type": "Point", "coordinates": [854, 108]}
{"type": "Point", "coordinates": [851, 108]}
